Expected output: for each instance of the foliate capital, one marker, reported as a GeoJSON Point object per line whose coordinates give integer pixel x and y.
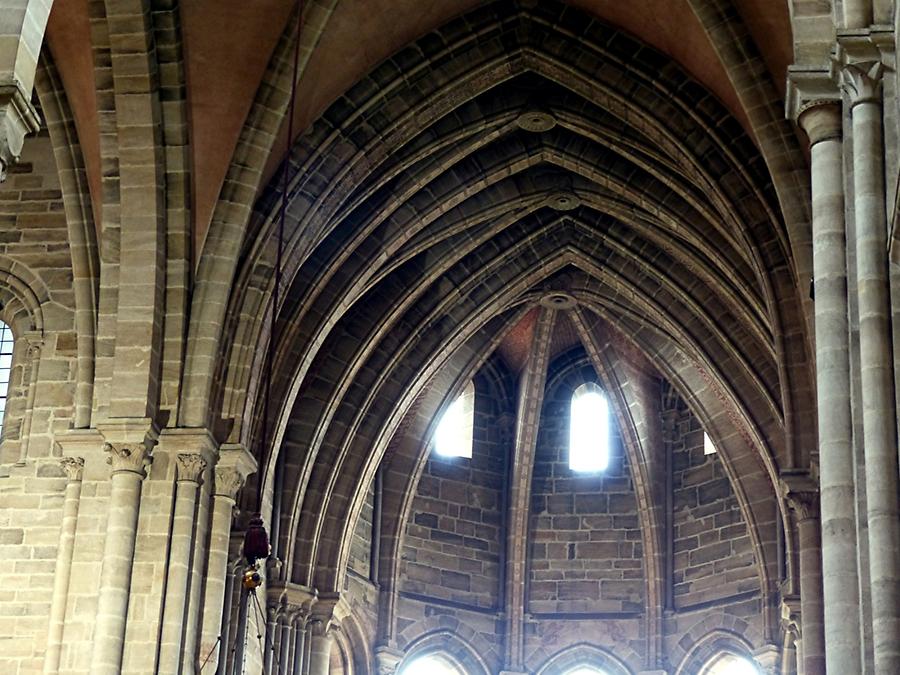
{"type": "Point", "coordinates": [228, 481]}
{"type": "Point", "coordinates": [234, 465]}
{"type": "Point", "coordinates": [801, 493]}
{"type": "Point", "coordinates": [805, 505]}
{"type": "Point", "coordinates": [130, 457]}
{"type": "Point", "coordinates": [74, 468]}
{"type": "Point", "coordinates": [862, 81]}
{"type": "Point", "coordinates": [189, 467]}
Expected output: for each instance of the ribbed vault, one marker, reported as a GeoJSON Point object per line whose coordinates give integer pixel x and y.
{"type": "Point", "coordinates": [518, 150]}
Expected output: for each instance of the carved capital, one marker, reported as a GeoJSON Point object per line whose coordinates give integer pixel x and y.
{"type": "Point", "coordinates": [18, 118]}
{"type": "Point", "coordinates": [228, 481]}
{"type": "Point", "coordinates": [800, 492]}
{"type": "Point", "coordinates": [234, 465]}
{"type": "Point", "coordinates": [74, 468]}
{"type": "Point", "coordinates": [130, 457]}
{"type": "Point", "coordinates": [805, 505]}
{"type": "Point", "coordinates": [189, 467]}
{"type": "Point", "coordinates": [862, 81]}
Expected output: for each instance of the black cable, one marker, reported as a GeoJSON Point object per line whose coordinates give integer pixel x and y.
{"type": "Point", "coordinates": [211, 649]}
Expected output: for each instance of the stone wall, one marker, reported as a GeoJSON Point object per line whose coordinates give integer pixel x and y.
{"type": "Point", "coordinates": [586, 551]}
{"type": "Point", "coordinates": [454, 545]}
{"type": "Point", "coordinates": [34, 250]}
{"type": "Point", "coordinates": [713, 552]}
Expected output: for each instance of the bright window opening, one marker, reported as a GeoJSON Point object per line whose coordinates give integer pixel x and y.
{"type": "Point", "coordinates": [432, 665]}
{"type": "Point", "coordinates": [6, 350]}
{"type": "Point", "coordinates": [729, 664]}
{"type": "Point", "coordinates": [585, 670]}
{"type": "Point", "coordinates": [453, 437]}
{"type": "Point", "coordinates": [589, 429]}
{"type": "Point", "coordinates": [709, 448]}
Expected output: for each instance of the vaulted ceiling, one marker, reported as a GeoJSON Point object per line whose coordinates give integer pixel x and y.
{"type": "Point", "coordinates": [228, 43]}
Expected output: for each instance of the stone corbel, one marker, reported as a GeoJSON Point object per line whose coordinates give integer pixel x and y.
{"type": "Point", "coordinates": [768, 657]}
{"type": "Point", "coordinates": [791, 618]}
{"type": "Point", "coordinates": [329, 610]}
{"type": "Point", "coordinates": [18, 118]}
{"type": "Point", "coordinates": [387, 660]}
{"type": "Point", "coordinates": [234, 465]}
{"type": "Point", "coordinates": [85, 444]}
{"type": "Point", "coordinates": [809, 87]}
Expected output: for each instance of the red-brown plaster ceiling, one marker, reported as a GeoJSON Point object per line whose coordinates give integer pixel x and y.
{"type": "Point", "coordinates": [346, 53]}
{"type": "Point", "coordinates": [228, 43]}
{"type": "Point", "coordinates": [227, 46]}
{"type": "Point", "coordinates": [69, 41]}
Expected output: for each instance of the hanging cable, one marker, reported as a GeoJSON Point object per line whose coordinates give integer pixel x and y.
{"type": "Point", "coordinates": [256, 540]}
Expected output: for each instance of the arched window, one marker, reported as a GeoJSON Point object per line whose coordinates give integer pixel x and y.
{"type": "Point", "coordinates": [432, 664]}
{"type": "Point", "coordinates": [731, 664]}
{"type": "Point", "coordinates": [709, 448]}
{"type": "Point", "coordinates": [585, 670]}
{"type": "Point", "coordinates": [453, 437]}
{"type": "Point", "coordinates": [589, 429]}
{"type": "Point", "coordinates": [6, 350]}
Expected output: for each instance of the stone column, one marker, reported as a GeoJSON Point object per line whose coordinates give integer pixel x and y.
{"type": "Point", "coordinates": [805, 506]}
{"type": "Point", "coordinates": [299, 644]}
{"type": "Point", "coordinates": [320, 638]}
{"type": "Point", "coordinates": [129, 461]}
{"type": "Point", "coordinates": [822, 123]}
{"type": "Point", "coordinates": [285, 640]}
{"type": "Point", "coordinates": [189, 467]}
{"type": "Point", "coordinates": [232, 469]}
{"type": "Point", "coordinates": [862, 82]}
{"type": "Point", "coordinates": [328, 610]}
{"type": "Point", "coordinates": [857, 13]}
{"type": "Point", "coordinates": [270, 644]}
{"type": "Point", "coordinates": [74, 468]}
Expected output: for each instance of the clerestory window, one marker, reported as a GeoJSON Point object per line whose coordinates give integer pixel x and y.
{"type": "Point", "coordinates": [589, 429]}
{"type": "Point", "coordinates": [432, 664]}
{"type": "Point", "coordinates": [709, 448]}
{"type": "Point", "coordinates": [453, 437]}
{"type": "Point", "coordinates": [6, 350]}
{"type": "Point", "coordinates": [585, 670]}
{"type": "Point", "coordinates": [731, 664]}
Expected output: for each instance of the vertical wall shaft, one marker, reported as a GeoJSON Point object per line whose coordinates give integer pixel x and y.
{"type": "Point", "coordinates": [822, 124]}
{"type": "Point", "coordinates": [216, 575]}
{"type": "Point", "coordinates": [876, 370]}
{"type": "Point", "coordinates": [74, 468]}
{"type": "Point", "coordinates": [118, 557]}
{"type": "Point", "coordinates": [178, 569]}
{"type": "Point", "coordinates": [319, 652]}
{"type": "Point", "coordinates": [811, 594]}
